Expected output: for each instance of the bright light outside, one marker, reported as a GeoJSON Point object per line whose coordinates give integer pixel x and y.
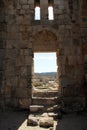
{"type": "Point", "coordinates": [37, 13]}
{"type": "Point", "coordinates": [50, 13]}
{"type": "Point", "coordinates": [45, 62]}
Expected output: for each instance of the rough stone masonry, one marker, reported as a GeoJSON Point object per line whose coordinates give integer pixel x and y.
{"type": "Point", "coordinates": [21, 35]}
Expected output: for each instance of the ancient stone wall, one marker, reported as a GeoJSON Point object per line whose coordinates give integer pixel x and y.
{"type": "Point", "coordinates": [23, 35]}
{"type": "Point", "coordinates": [3, 36]}
{"type": "Point", "coordinates": [83, 26]}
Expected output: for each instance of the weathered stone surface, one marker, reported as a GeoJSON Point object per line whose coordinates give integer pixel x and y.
{"type": "Point", "coordinates": [23, 2]}
{"type": "Point", "coordinates": [51, 114]}
{"type": "Point", "coordinates": [36, 108]}
{"type": "Point", "coordinates": [46, 122]}
{"type": "Point", "coordinates": [54, 108]}
{"type": "Point", "coordinates": [24, 103]}
{"type": "Point", "coordinates": [44, 115]}
{"type": "Point", "coordinates": [25, 6]}
{"type": "Point", "coordinates": [51, 128]}
{"type": "Point", "coordinates": [32, 121]}
{"type": "Point", "coordinates": [50, 109]}
{"type": "Point", "coordinates": [46, 93]}
{"type": "Point", "coordinates": [45, 100]}
{"type": "Point", "coordinates": [21, 35]}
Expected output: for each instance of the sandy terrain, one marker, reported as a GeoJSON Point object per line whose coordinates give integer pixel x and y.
{"type": "Point", "coordinates": [17, 121]}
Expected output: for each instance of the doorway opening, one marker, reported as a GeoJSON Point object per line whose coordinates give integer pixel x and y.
{"type": "Point", "coordinates": [45, 75]}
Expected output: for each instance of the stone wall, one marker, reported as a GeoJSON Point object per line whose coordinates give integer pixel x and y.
{"type": "Point", "coordinates": [83, 24]}
{"type": "Point", "coordinates": [21, 36]}
{"type": "Point", "coordinates": [3, 36]}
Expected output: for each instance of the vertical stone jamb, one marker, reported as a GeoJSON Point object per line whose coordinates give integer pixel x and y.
{"type": "Point", "coordinates": [44, 10]}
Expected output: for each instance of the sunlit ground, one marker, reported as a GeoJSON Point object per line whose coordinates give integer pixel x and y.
{"type": "Point", "coordinates": [18, 121]}
{"type": "Point", "coordinates": [24, 127]}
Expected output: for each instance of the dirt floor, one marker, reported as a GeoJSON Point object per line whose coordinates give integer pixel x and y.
{"type": "Point", "coordinates": [17, 120]}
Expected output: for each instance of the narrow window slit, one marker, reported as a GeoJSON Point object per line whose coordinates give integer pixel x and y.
{"type": "Point", "coordinates": [50, 13]}
{"type": "Point", "coordinates": [50, 10]}
{"type": "Point", "coordinates": [37, 10]}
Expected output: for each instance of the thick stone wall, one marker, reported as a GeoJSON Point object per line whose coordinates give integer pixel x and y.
{"type": "Point", "coordinates": [83, 26]}
{"type": "Point", "coordinates": [3, 36]}
{"type": "Point", "coordinates": [22, 36]}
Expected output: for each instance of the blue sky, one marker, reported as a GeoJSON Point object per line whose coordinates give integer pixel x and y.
{"type": "Point", "coordinates": [45, 62]}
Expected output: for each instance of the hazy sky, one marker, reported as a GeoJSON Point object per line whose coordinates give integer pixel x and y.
{"type": "Point", "coordinates": [45, 62]}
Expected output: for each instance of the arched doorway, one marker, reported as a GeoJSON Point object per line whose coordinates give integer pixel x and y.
{"type": "Point", "coordinates": [46, 41]}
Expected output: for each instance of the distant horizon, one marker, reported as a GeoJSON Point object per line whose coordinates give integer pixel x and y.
{"type": "Point", "coordinates": [46, 72]}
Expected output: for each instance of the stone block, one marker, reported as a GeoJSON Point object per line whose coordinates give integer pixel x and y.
{"type": "Point", "coordinates": [11, 44]}
{"type": "Point", "coordinates": [36, 108]}
{"type": "Point", "coordinates": [7, 101]}
{"type": "Point", "coordinates": [27, 18]}
{"type": "Point", "coordinates": [31, 2]}
{"type": "Point", "coordinates": [8, 91]}
{"type": "Point", "coordinates": [1, 77]}
{"type": "Point", "coordinates": [61, 59]}
{"type": "Point", "coordinates": [42, 101]}
{"type": "Point", "coordinates": [32, 121]}
{"type": "Point", "coordinates": [46, 122]}
{"type": "Point", "coordinates": [25, 6]}
{"type": "Point", "coordinates": [2, 34]}
{"type": "Point", "coordinates": [21, 52]}
{"type": "Point", "coordinates": [85, 57]}
{"type": "Point", "coordinates": [25, 103]}
{"type": "Point", "coordinates": [28, 60]}
{"type": "Point", "coordinates": [2, 18]}
{"type": "Point", "coordinates": [19, 19]}
{"type": "Point", "coordinates": [23, 71]}
{"type": "Point", "coordinates": [79, 60]}
{"type": "Point", "coordinates": [25, 35]}
{"type": "Point", "coordinates": [22, 92]}
{"type": "Point", "coordinates": [86, 77]}
{"type": "Point", "coordinates": [2, 26]}
{"type": "Point", "coordinates": [22, 103]}
{"type": "Point", "coordinates": [18, 8]}
{"type": "Point", "coordinates": [28, 52]}
{"type": "Point", "coordinates": [13, 35]}
{"type": "Point", "coordinates": [23, 82]}
{"type": "Point", "coordinates": [10, 70]}
{"type": "Point", "coordinates": [22, 11]}
{"type": "Point", "coordinates": [23, 44]}
{"type": "Point", "coordinates": [14, 102]}
{"type": "Point", "coordinates": [20, 61]}
{"type": "Point", "coordinates": [23, 2]}
{"type": "Point", "coordinates": [66, 81]}
{"type": "Point", "coordinates": [29, 70]}
{"type": "Point", "coordinates": [2, 44]}
{"type": "Point", "coordinates": [71, 60]}
{"type": "Point", "coordinates": [2, 55]}
{"type": "Point", "coordinates": [12, 81]}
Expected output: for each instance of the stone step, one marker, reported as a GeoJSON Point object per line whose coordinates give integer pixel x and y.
{"type": "Point", "coordinates": [44, 101]}
{"type": "Point", "coordinates": [45, 93]}
{"type": "Point", "coordinates": [36, 108]}
{"type": "Point", "coordinates": [42, 108]}
{"type": "Point", "coordinates": [43, 120]}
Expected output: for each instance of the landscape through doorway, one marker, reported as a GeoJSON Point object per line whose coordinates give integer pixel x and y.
{"type": "Point", "coordinates": [45, 75]}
